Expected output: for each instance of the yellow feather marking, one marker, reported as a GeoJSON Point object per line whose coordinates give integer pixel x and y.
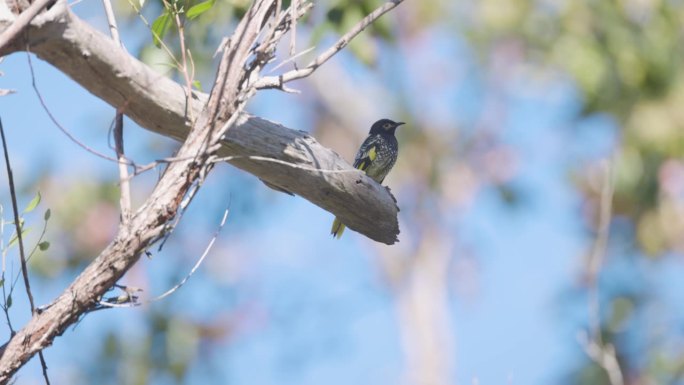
{"type": "Point", "coordinates": [372, 154]}
{"type": "Point", "coordinates": [337, 228]}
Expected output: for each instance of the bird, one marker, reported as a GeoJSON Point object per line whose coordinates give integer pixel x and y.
{"type": "Point", "coordinates": [376, 157]}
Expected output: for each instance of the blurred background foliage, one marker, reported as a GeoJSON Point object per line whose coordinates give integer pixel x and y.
{"type": "Point", "coordinates": [472, 79]}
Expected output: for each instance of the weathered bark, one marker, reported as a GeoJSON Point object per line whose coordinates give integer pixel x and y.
{"type": "Point", "coordinates": [159, 104]}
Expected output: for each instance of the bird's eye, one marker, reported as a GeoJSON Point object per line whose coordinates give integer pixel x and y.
{"type": "Point", "coordinates": [386, 125]}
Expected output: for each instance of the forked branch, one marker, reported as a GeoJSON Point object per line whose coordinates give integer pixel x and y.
{"type": "Point", "coordinates": [222, 130]}
{"type": "Point", "coordinates": [159, 104]}
{"type": "Point", "coordinates": [280, 80]}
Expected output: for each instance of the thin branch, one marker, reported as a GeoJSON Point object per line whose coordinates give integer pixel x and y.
{"type": "Point", "coordinates": [598, 252]}
{"type": "Point", "coordinates": [184, 51]}
{"type": "Point", "coordinates": [17, 221]}
{"type": "Point", "coordinates": [293, 28]}
{"type": "Point", "coordinates": [284, 163]}
{"type": "Point", "coordinates": [602, 353]}
{"type": "Point", "coordinates": [170, 227]}
{"type": "Point", "coordinates": [2, 239]}
{"type": "Point", "coordinates": [111, 20]}
{"type": "Point", "coordinates": [5, 306]}
{"type": "Point", "coordinates": [20, 241]}
{"type": "Point", "coordinates": [292, 58]}
{"type": "Point", "coordinates": [279, 81]}
{"type": "Point", "coordinates": [124, 181]}
{"type": "Point", "coordinates": [172, 290]}
{"type": "Point", "coordinates": [28, 258]}
{"type": "Point", "coordinates": [198, 263]}
{"type": "Point", "coordinates": [54, 120]}
{"type": "Point", "coordinates": [22, 21]}
{"type": "Point", "coordinates": [141, 169]}
{"type": "Point", "coordinates": [5, 309]}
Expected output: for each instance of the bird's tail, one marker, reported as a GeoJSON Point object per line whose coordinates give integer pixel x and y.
{"type": "Point", "coordinates": [337, 228]}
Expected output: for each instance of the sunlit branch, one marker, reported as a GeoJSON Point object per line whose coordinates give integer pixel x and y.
{"type": "Point", "coordinates": [280, 80]}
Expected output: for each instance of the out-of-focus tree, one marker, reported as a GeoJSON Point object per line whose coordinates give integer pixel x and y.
{"type": "Point", "coordinates": [626, 60]}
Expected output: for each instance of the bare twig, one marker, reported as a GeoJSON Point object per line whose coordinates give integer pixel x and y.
{"type": "Point", "coordinates": [280, 80]}
{"type": "Point", "coordinates": [293, 27]}
{"type": "Point", "coordinates": [116, 302]}
{"type": "Point", "coordinates": [20, 241]}
{"type": "Point", "coordinates": [111, 20]}
{"type": "Point", "coordinates": [599, 248]}
{"type": "Point", "coordinates": [198, 263]}
{"type": "Point", "coordinates": [189, 196]}
{"type": "Point", "coordinates": [22, 21]}
{"type": "Point", "coordinates": [13, 284]}
{"type": "Point", "coordinates": [2, 238]}
{"type": "Point", "coordinates": [54, 119]}
{"type": "Point", "coordinates": [184, 52]}
{"type": "Point", "coordinates": [284, 163]}
{"type": "Point", "coordinates": [5, 305]}
{"type": "Point", "coordinates": [604, 355]}
{"type": "Point", "coordinates": [601, 352]}
{"type": "Point", "coordinates": [144, 168]}
{"type": "Point", "coordinates": [17, 220]}
{"type": "Point", "coordinates": [292, 58]}
{"type": "Point", "coordinates": [5, 309]}
{"type": "Point", "coordinates": [124, 180]}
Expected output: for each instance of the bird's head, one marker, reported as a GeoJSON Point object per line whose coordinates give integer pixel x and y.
{"type": "Point", "coordinates": [384, 126]}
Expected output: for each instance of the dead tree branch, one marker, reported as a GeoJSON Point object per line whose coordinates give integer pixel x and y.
{"type": "Point", "coordinates": [159, 104]}
{"type": "Point", "coordinates": [280, 80]}
{"type": "Point", "coordinates": [151, 221]}
{"type": "Point", "coordinates": [221, 129]}
{"type": "Point", "coordinates": [117, 131]}
{"type": "Point", "coordinates": [22, 21]}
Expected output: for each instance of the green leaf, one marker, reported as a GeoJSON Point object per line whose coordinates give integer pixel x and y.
{"type": "Point", "coordinates": [14, 238]}
{"type": "Point", "coordinates": [47, 214]}
{"type": "Point", "coordinates": [33, 204]}
{"type": "Point", "coordinates": [160, 27]}
{"type": "Point", "coordinates": [199, 9]}
{"type": "Point", "coordinates": [197, 85]}
{"type": "Point", "coordinates": [2, 281]}
{"type": "Point", "coordinates": [9, 301]}
{"type": "Point", "coordinates": [44, 245]}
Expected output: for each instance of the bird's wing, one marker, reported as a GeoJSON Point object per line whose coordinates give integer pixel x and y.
{"type": "Point", "coordinates": [367, 153]}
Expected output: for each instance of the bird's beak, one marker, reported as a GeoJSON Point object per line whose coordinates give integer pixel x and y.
{"type": "Point", "coordinates": [399, 124]}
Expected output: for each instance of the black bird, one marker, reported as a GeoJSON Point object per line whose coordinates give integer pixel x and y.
{"type": "Point", "coordinates": [375, 157]}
